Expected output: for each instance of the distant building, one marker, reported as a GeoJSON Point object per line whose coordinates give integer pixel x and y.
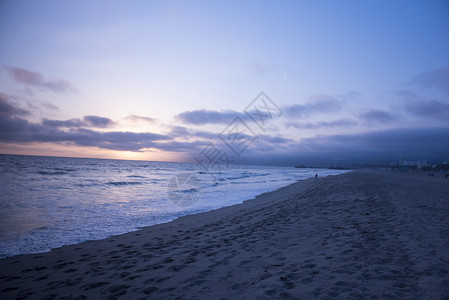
{"type": "Point", "coordinates": [418, 165]}
{"type": "Point", "coordinates": [409, 163]}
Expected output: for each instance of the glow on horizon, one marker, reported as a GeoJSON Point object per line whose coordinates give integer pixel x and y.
{"type": "Point", "coordinates": [40, 149]}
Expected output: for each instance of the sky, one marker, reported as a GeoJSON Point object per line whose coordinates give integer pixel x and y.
{"type": "Point", "coordinates": [257, 82]}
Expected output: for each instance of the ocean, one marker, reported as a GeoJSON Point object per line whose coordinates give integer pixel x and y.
{"type": "Point", "coordinates": [48, 202]}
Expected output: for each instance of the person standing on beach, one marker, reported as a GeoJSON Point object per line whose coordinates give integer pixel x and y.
{"type": "Point", "coordinates": [316, 176]}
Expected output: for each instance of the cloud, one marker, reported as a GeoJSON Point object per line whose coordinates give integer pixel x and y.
{"type": "Point", "coordinates": [428, 109]}
{"type": "Point", "coordinates": [66, 123]}
{"type": "Point", "coordinates": [13, 128]}
{"type": "Point", "coordinates": [319, 104]}
{"type": "Point", "coordinates": [96, 121]}
{"type": "Point", "coordinates": [88, 121]}
{"type": "Point", "coordinates": [418, 142]}
{"type": "Point", "coordinates": [438, 79]}
{"type": "Point", "coordinates": [22, 131]}
{"type": "Point", "coordinates": [185, 133]}
{"type": "Point", "coordinates": [387, 145]}
{"type": "Point", "coordinates": [419, 106]}
{"type": "Point", "coordinates": [180, 131]}
{"type": "Point", "coordinates": [322, 124]}
{"type": "Point", "coordinates": [36, 79]}
{"type": "Point", "coordinates": [378, 116]}
{"type": "Point", "coordinates": [136, 118]}
{"type": "Point", "coordinates": [117, 140]}
{"type": "Point", "coordinates": [8, 110]}
{"type": "Point", "coordinates": [370, 147]}
{"type": "Point", "coordinates": [201, 117]}
{"type": "Point", "coordinates": [193, 148]}
{"type": "Point", "coordinates": [266, 143]}
{"type": "Point", "coordinates": [274, 139]}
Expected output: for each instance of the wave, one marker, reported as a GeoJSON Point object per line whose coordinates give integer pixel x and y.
{"type": "Point", "coordinates": [64, 169]}
{"type": "Point", "coordinates": [246, 175]}
{"type": "Point", "coordinates": [87, 184]}
{"type": "Point", "coordinates": [52, 173]}
{"type": "Point", "coordinates": [157, 180]}
{"type": "Point", "coordinates": [237, 177]}
{"type": "Point", "coordinates": [244, 182]}
{"type": "Point", "coordinates": [122, 183]}
{"type": "Point", "coordinates": [191, 190]}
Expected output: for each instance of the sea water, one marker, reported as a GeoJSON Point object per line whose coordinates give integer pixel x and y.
{"type": "Point", "coordinates": [48, 202]}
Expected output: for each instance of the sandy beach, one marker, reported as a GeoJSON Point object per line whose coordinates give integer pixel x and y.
{"type": "Point", "coordinates": [361, 234]}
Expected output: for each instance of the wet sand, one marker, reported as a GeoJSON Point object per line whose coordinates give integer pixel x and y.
{"type": "Point", "coordinates": [355, 235]}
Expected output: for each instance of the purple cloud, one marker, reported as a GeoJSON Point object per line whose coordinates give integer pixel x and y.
{"type": "Point", "coordinates": [378, 116]}
{"type": "Point", "coordinates": [413, 141]}
{"type": "Point", "coordinates": [319, 104]}
{"type": "Point", "coordinates": [136, 118]}
{"type": "Point", "coordinates": [175, 146]}
{"type": "Point", "coordinates": [322, 124]}
{"type": "Point", "coordinates": [428, 143]}
{"type": "Point", "coordinates": [36, 79]}
{"type": "Point", "coordinates": [22, 131]}
{"type": "Point", "coordinates": [88, 121]}
{"type": "Point", "coordinates": [438, 79]}
{"type": "Point", "coordinates": [9, 110]}
{"type": "Point", "coordinates": [96, 121]}
{"type": "Point", "coordinates": [371, 147]}
{"type": "Point", "coordinates": [274, 139]}
{"type": "Point", "coordinates": [428, 109]}
{"type": "Point", "coordinates": [66, 123]}
{"type": "Point", "coordinates": [13, 128]}
{"type": "Point", "coordinates": [201, 117]}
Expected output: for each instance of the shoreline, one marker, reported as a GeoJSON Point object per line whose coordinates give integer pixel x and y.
{"type": "Point", "coordinates": [241, 200]}
{"type": "Point", "coordinates": [349, 235]}
{"type": "Point", "coordinates": [170, 221]}
{"type": "Point", "coordinates": [64, 202]}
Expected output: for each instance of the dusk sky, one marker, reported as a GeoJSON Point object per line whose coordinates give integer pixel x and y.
{"type": "Point", "coordinates": [346, 81]}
